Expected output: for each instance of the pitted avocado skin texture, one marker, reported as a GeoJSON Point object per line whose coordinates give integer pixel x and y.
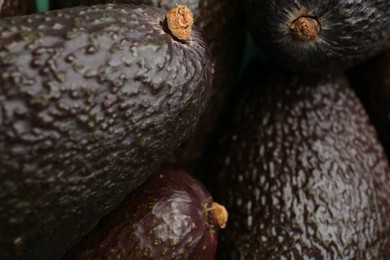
{"type": "Point", "coordinates": [300, 171]}
{"type": "Point", "coordinates": [91, 100]}
{"type": "Point", "coordinates": [222, 24]}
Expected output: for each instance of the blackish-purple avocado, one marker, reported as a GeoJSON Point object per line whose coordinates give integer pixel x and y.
{"type": "Point", "coordinates": [300, 171]}
{"type": "Point", "coordinates": [92, 99]}
{"type": "Point", "coordinates": [221, 22]}
{"type": "Point", "coordinates": [317, 35]}
{"type": "Point", "coordinates": [170, 216]}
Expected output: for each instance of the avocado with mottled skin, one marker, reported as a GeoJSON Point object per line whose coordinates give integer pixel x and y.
{"type": "Point", "coordinates": [170, 216]}
{"type": "Point", "coordinates": [317, 35]}
{"type": "Point", "coordinates": [92, 99]}
{"type": "Point", "coordinates": [301, 171]}
{"type": "Point", "coordinates": [222, 25]}
{"type": "Point", "coordinates": [16, 7]}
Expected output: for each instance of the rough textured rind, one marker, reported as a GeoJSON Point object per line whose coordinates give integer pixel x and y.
{"type": "Point", "coordinates": [91, 100]}
{"type": "Point", "coordinates": [301, 172]}
{"type": "Point", "coordinates": [351, 31]}
{"type": "Point", "coordinates": [222, 25]}
{"type": "Point", "coordinates": [164, 218]}
{"type": "Point", "coordinates": [16, 7]}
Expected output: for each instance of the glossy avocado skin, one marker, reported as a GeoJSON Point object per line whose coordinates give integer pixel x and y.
{"type": "Point", "coordinates": [16, 7]}
{"type": "Point", "coordinates": [351, 32]}
{"type": "Point", "coordinates": [222, 25]}
{"type": "Point", "coordinates": [162, 219]}
{"type": "Point", "coordinates": [300, 171]}
{"type": "Point", "coordinates": [92, 100]}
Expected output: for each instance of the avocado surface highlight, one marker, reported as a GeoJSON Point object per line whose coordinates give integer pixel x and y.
{"type": "Point", "coordinates": [170, 216]}
{"type": "Point", "coordinates": [222, 25]}
{"type": "Point", "coordinates": [16, 7]}
{"type": "Point", "coordinates": [92, 99]}
{"type": "Point", "coordinates": [319, 35]}
{"type": "Point", "coordinates": [300, 171]}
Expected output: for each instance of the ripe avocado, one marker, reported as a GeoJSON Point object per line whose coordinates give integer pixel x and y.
{"type": "Point", "coordinates": [222, 25]}
{"type": "Point", "coordinates": [92, 99]}
{"type": "Point", "coordinates": [319, 35]}
{"type": "Point", "coordinates": [301, 172]}
{"type": "Point", "coordinates": [170, 216]}
{"type": "Point", "coordinates": [16, 7]}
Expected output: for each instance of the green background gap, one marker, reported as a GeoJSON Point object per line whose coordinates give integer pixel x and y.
{"type": "Point", "coordinates": [43, 5]}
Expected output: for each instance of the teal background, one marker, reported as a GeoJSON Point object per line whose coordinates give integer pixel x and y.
{"type": "Point", "coordinates": [43, 5]}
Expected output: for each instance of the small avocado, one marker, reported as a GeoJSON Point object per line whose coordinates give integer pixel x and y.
{"type": "Point", "coordinates": [16, 7]}
{"type": "Point", "coordinates": [170, 216]}
{"type": "Point", "coordinates": [92, 99]}
{"type": "Point", "coordinates": [372, 80]}
{"type": "Point", "coordinates": [301, 171]}
{"type": "Point", "coordinates": [319, 35]}
{"type": "Point", "coordinates": [222, 25]}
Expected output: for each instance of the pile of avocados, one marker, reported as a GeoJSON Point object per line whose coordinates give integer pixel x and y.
{"type": "Point", "coordinates": [195, 129]}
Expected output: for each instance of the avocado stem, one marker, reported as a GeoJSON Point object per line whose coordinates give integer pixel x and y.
{"type": "Point", "coordinates": [179, 21]}
{"type": "Point", "coordinates": [305, 29]}
{"type": "Point", "coordinates": [219, 214]}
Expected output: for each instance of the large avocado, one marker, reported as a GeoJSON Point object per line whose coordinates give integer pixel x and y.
{"type": "Point", "coordinates": [318, 35]}
{"type": "Point", "coordinates": [170, 216]}
{"type": "Point", "coordinates": [301, 172]}
{"type": "Point", "coordinates": [91, 101]}
{"type": "Point", "coordinates": [16, 7]}
{"type": "Point", "coordinates": [222, 25]}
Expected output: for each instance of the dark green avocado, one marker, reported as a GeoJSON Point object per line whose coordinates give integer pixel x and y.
{"type": "Point", "coordinates": [222, 25]}
{"type": "Point", "coordinates": [92, 99]}
{"type": "Point", "coordinates": [16, 7]}
{"type": "Point", "coordinates": [170, 216]}
{"type": "Point", "coordinates": [318, 35]}
{"type": "Point", "coordinates": [300, 171]}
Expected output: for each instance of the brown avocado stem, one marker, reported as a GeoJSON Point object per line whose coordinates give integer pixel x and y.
{"type": "Point", "coordinates": [218, 213]}
{"type": "Point", "coordinates": [179, 21]}
{"type": "Point", "coordinates": [305, 29]}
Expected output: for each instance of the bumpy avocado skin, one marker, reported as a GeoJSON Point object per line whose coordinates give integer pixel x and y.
{"type": "Point", "coordinates": [164, 218]}
{"type": "Point", "coordinates": [351, 32]}
{"type": "Point", "coordinates": [91, 100]}
{"type": "Point", "coordinates": [16, 7]}
{"type": "Point", "coordinates": [301, 172]}
{"type": "Point", "coordinates": [222, 25]}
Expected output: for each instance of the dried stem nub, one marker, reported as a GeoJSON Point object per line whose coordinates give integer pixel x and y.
{"type": "Point", "coordinates": [179, 21]}
{"type": "Point", "coordinates": [305, 29]}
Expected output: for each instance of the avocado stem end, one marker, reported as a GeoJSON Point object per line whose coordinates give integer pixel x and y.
{"type": "Point", "coordinates": [179, 21]}
{"type": "Point", "coordinates": [218, 213]}
{"type": "Point", "coordinates": [305, 29]}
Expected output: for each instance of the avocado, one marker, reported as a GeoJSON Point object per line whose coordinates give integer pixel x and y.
{"type": "Point", "coordinates": [319, 35]}
{"type": "Point", "coordinates": [92, 99]}
{"type": "Point", "coordinates": [372, 81]}
{"type": "Point", "coordinates": [301, 171]}
{"type": "Point", "coordinates": [222, 25]}
{"type": "Point", "coordinates": [16, 7]}
{"type": "Point", "coordinates": [170, 216]}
